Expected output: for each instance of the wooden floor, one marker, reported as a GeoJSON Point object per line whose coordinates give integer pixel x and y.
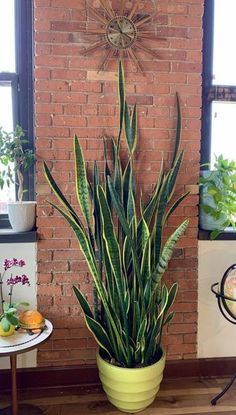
{"type": "Point", "coordinates": [176, 397]}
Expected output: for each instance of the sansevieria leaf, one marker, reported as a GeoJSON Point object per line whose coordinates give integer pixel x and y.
{"type": "Point", "coordinates": [57, 191]}
{"type": "Point", "coordinates": [131, 128]}
{"type": "Point", "coordinates": [121, 98]}
{"type": "Point", "coordinates": [82, 186]}
{"type": "Point", "coordinates": [83, 302]}
{"type": "Point", "coordinates": [167, 251]}
{"type": "Point", "coordinates": [99, 334]}
{"type": "Point", "coordinates": [178, 129]}
{"type": "Point", "coordinates": [110, 239]}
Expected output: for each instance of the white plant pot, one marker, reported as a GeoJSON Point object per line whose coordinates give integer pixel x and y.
{"type": "Point", "coordinates": [22, 216]}
{"type": "Point", "coordinates": [206, 221]}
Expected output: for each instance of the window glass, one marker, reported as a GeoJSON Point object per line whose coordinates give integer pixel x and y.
{"type": "Point", "coordinates": [15, 77]}
{"type": "Point", "coordinates": [6, 113]}
{"type": "Point", "coordinates": [7, 194]}
{"type": "Point", "coordinates": [223, 131]}
{"type": "Point", "coordinates": [224, 61]}
{"type": "Point", "coordinates": [7, 36]}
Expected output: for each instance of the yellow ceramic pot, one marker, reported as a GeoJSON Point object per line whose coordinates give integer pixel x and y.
{"type": "Point", "coordinates": [131, 390]}
{"type": "Point", "coordinates": [6, 333]}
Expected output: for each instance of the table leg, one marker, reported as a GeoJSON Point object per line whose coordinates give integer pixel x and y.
{"type": "Point", "coordinates": [13, 385]}
{"type": "Point", "coordinates": [15, 409]}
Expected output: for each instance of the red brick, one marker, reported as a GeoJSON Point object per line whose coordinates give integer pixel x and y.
{"type": "Point", "coordinates": [48, 108]}
{"type": "Point", "coordinates": [52, 85]}
{"type": "Point", "coordinates": [41, 73]}
{"type": "Point", "coordinates": [186, 21]}
{"type": "Point", "coordinates": [86, 87]}
{"type": "Point", "coordinates": [42, 3]}
{"type": "Point", "coordinates": [51, 61]}
{"type": "Point", "coordinates": [68, 4]}
{"type": "Point", "coordinates": [53, 13]}
{"type": "Point", "coordinates": [68, 75]}
{"type": "Point", "coordinates": [55, 131]}
{"type": "Point", "coordinates": [72, 109]}
{"type": "Point", "coordinates": [52, 37]}
{"type": "Point", "coordinates": [44, 119]}
{"type": "Point", "coordinates": [42, 97]}
{"type": "Point", "coordinates": [49, 290]}
{"type": "Point", "coordinates": [44, 278]}
{"type": "Point", "coordinates": [64, 97]}
{"type": "Point", "coordinates": [69, 120]}
{"type": "Point", "coordinates": [182, 328]}
{"type": "Point", "coordinates": [182, 348]}
{"type": "Point", "coordinates": [42, 25]}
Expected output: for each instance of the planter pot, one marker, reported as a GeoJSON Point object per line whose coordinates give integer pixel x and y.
{"type": "Point", "coordinates": [206, 221]}
{"type": "Point", "coordinates": [131, 390]}
{"type": "Point", "coordinates": [22, 216]}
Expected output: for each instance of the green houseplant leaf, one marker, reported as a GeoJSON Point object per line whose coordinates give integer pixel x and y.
{"type": "Point", "coordinates": [15, 159]}
{"type": "Point", "coordinates": [218, 196]}
{"type": "Point", "coordinates": [81, 182]}
{"type": "Point", "coordinates": [123, 246]}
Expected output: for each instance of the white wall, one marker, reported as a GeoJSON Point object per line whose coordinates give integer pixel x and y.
{"type": "Point", "coordinates": [216, 336]}
{"type": "Point", "coordinates": [27, 252]}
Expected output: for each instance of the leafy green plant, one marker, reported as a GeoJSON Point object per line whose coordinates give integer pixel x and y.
{"type": "Point", "coordinates": [219, 194]}
{"type": "Point", "coordinates": [124, 247]}
{"type": "Point", "coordinates": [14, 158]}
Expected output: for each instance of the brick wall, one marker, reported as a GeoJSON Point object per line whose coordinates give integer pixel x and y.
{"type": "Point", "coordinates": [71, 97]}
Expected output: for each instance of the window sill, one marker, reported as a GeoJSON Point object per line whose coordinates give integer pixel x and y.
{"type": "Point", "coordinates": [228, 235]}
{"type": "Point", "coordinates": [8, 236]}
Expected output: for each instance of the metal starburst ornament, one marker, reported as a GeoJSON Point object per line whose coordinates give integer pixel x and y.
{"type": "Point", "coordinates": [121, 33]}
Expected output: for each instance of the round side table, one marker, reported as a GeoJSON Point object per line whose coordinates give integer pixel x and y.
{"type": "Point", "coordinates": [12, 346]}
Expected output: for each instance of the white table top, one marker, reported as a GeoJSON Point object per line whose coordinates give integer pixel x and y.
{"type": "Point", "coordinates": [23, 342]}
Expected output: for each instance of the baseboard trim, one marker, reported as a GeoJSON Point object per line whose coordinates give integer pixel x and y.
{"type": "Point", "coordinates": [80, 376]}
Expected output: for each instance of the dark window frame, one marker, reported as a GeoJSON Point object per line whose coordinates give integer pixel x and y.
{"type": "Point", "coordinates": [22, 87]}
{"type": "Point", "coordinates": [208, 32]}
{"type": "Point", "coordinates": [211, 93]}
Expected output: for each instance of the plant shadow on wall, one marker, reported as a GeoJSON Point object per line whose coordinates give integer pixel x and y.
{"type": "Point", "coordinates": [127, 257]}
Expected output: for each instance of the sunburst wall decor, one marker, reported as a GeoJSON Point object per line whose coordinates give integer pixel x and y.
{"type": "Point", "coordinates": [121, 33]}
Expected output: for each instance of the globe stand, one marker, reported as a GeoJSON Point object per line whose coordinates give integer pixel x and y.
{"type": "Point", "coordinates": [227, 313]}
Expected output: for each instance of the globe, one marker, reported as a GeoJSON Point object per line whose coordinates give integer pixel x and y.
{"type": "Point", "coordinates": [228, 289]}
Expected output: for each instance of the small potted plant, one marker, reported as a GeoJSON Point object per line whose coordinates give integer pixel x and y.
{"type": "Point", "coordinates": [218, 197]}
{"type": "Point", "coordinates": [127, 255]}
{"type": "Point", "coordinates": [8, 310]}
{"type": "Point", "coordinates": [15, 159]}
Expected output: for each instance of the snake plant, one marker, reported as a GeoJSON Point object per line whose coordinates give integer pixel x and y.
{"type": "Point", "coordinates": [122, 241]}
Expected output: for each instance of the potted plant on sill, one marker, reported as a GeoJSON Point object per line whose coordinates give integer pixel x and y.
{"type": "Point", "coordinates": [127, 257]}
{"type": "Point", "coordinates": [15, 159]}
{"type": "Point", "coordinates": [218, 197]}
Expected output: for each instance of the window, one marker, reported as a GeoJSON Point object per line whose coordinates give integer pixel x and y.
{"type": "Point", "coordinates": [219, 81]}
{"type": "Point", "coordinates": [16, 91]}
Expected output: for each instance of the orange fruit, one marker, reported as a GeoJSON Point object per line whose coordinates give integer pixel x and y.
{"type": "Point", "coordinates": [31, 319]}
